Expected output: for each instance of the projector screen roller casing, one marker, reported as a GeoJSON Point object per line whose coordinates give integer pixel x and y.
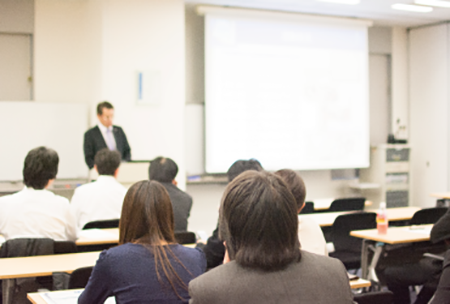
{"type": "Point", "coordinates": [290, 93]}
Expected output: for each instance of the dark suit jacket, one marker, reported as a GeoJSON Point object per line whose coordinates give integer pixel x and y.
{"type": "Point", "coordinates": [315, 279]}
{"type": "Point", "coordinates": [442, 294]}
{"type": "Point", "coordinates": [181, 204]}
{"type": "Point", "coordinates": [94, 142]}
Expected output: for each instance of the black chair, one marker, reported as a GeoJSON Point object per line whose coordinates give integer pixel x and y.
{"type": "Point", "coordinates": [308, 208]}
{"type": "Point", "coordinates": [13, 292]}
{"type": "Point", "coordinates": [80, 277]}
{"type": "Point", "coordinates": [102, 224]}
{"type": "Point", "coordinates": [60, 247]}
{"type": "Point", "coordinates": [347, 204]}
{"type": "Point", "coordinates": [378, 297]}
{"type": "Point", "coordinates": [348, 248]}
{"type": "Point", "coordinates": [185, 237]}
{"type": "Point", "coordinates": [428, 216]}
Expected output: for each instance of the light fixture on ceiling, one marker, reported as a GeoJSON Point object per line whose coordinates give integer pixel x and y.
{"type": "Point", "coordinates": [412, 8]}
{"type": "Point", "coordinates": [351, 2]}
{"type": "Point", "coordinates": [437, 3]}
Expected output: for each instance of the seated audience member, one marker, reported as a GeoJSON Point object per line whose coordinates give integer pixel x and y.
{"type": "Point", "coordinates": [425, 272]}
{"type": "Point", "coordinates": [35, 211]}
{"type": "Point", "coordinates": [164, 170]}
{"type": "Point", "coordinates": [147, 266]}
{"type": "Point", "coordinates": [442, 295]}
{"type": "Point", "coordinates": [263, 260]}
{"type": "Point", "coordinates": [214, 249]}
{"type": "Point", "coordinates": [309, 232]}
{"type": "Point", "coordinates": [102, 199]}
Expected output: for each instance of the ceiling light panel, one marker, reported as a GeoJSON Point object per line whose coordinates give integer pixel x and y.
{"type": "Point", "coordinates": [412, 8]}
{"type": "Point", "coordinates": [437, 3]}
{"type": "Point", "coordinates": [351, 2]}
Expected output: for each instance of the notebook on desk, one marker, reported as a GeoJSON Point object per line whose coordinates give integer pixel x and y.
{"type": "Point", "coordinates": [67, 297]}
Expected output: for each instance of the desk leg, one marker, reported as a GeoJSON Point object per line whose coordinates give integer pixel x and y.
{"type": "Point", "coordinates": [376, 256]}
{"type": "Point", "coordinates": [8, 287]}
{"type": "Point", "coordinates": [364, 259]}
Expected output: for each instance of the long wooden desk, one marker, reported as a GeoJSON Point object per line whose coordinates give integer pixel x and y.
{"type": "Point", "coordinates": [442, 195]}
{"type": "Point", "coordinates": [394, 214]}
{"type": "Point", "coordinates": [98, 237]}
{"type": "Point", "coordinates": [37, 297]}
{"type": "Point", "coordinates": [325, 203]}
{"type": "Point", "coordinates": [45, 265]}
{"type": "Point", "coordinates": [394, 235]}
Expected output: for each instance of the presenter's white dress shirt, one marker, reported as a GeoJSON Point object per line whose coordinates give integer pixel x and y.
{"type": "Point", "coordinates": [34, 213]}
{"type": "Point", "coordinates": [311, 236]}
{"type": "Point", "coordinates": [99, 200]}
{"type": "Point", "coordinates": [103, 130]}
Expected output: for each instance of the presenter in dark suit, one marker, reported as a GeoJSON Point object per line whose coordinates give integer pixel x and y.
{"type": "Point", "coordinates": [105, 135]}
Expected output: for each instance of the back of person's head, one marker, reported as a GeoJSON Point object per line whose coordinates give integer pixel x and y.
{"type": "Point", "coordinates": [258, 222]}
{"type": "Point", "coordinates": [242, 165]}
{"type": "Point", "coordinates": [107, 161]}
{"type": "Point", "coordinates": [102, 105]}
{"type": "Point", "coordinates": [295, 183]}
{"type": "Point", "coordinates": [147, 219]}
{"type": "Point", "coordinates": [163, 170]}
{"type": "Point", "coordinates": [147, 215]}
{"type": "Point", "coordinates": [40, 166]}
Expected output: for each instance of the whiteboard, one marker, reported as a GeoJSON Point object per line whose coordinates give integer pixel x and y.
{"type": "Point", "coordinates": [27, 125]}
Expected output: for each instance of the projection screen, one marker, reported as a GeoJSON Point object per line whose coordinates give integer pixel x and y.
{"type": "Point", "coordinates": [289, 90]}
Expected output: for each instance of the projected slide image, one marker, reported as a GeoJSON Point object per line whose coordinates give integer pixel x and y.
{"type": "Point", "coordinates": [289, 95]}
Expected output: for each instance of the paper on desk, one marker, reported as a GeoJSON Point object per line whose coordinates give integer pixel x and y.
{"type": "Point", "coordinates": [420, 230]}
{"type": "Point", "coordinates": [68, 297]}
{"type": "Point", "coordinates": [95, 234]}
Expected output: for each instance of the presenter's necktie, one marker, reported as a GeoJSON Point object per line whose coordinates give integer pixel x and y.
{"type": "Point", "coordinates": [110, 139]}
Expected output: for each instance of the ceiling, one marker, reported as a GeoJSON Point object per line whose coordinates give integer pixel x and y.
{"type": "Point", "coordinates": [377, 10]}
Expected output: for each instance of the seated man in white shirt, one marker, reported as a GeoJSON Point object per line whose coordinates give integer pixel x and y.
{"type": "Point", "coordinates": [309, 232]}
{"type": "Point", "coordinates": [35, 212]}
{"type": "Point", "coordinates": [102, 199]}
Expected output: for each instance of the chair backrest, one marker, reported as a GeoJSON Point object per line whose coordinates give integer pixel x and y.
{"type": "Point", "coordinates": [23, 247]}
{"type": "Point", "coordinates": [60, 247]}
{"type": "Point", "coordinates": [80, 277]}
{"type": "Point", "coordinates": [385, 297]}
{"type": "Point", "coordinates": [347, 204]}
{"type": "Point", "coordinates": [343, 224]}
{"type": "Point", "coordinates": [102, 224]}
{"type": "Point", "coordinates": [185, 237]}
{"type": "Point", "coordinates": [428, 216]}
{"type": "Point", "coordinates": [308, 208]}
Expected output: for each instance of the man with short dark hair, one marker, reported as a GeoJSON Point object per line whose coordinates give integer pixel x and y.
{"type": "Point", "coordinates": [164, 170]}
{"type": "Point", "coordinates": [105, 135]}
{"type": "Point", "coordinates": [214, 249]}
{"type": "Point", "coordinates": [102, 199]}
{"type": "Point", "coordinates": [35, 211]}
{"type": "Point", "coordinates": [263, 262]}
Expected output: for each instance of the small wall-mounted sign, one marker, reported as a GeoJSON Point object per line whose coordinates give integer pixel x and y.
{"type": "Point", "coordinates": [148, 88]}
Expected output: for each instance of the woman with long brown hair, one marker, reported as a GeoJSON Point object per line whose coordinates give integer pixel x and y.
{"type": "Point", "coordinates": [148, 266]}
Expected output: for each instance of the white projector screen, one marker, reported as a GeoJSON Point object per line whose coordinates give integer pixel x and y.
{"type": "Point", "coordinates": [290, 92]}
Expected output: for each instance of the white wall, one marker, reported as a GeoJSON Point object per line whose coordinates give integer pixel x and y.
{"type": "Point", "coordinates": [64, 61]}
{"type": "Point", "coordinates": [87, 51]}
{"type": "Point", "coordinates": [399, 84]}
{"type": "Point", "coordinates": [146, 35]}
{"type": "Point", "coordinates": [429, 63]}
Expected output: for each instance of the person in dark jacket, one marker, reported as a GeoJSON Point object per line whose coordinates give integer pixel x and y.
{"type": "Point", "coordinates": [214, 248]}
{"type": "Point", "coordinates": [426, 271]}
{"type": "Point", "coordinates": [164, 170]}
